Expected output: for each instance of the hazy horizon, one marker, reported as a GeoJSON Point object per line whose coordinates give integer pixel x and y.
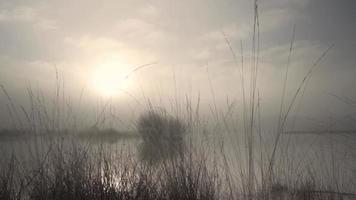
{"type": "Point", "coordinates": [94, 46]}
{"type": "Point", "coordinates": [171, 100]}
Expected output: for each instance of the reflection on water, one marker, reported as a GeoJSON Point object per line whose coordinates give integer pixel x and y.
{"type": "Point", "coordinates": [329, 158]}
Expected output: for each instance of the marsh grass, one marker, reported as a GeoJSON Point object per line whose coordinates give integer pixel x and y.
{"type": "Point", "coordinates": [172, 163]}
{"type": "Point", "coordinates": [77, 172]}
{"type": "Point", "coordinates": [7, 187]}
{"type": "Point", "coordinates": [60, 167]}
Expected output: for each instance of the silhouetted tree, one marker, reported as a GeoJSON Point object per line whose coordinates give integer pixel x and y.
{"type": "Point", "coordinates": [162, 136]}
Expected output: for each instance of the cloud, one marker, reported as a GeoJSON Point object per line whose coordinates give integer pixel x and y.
{"type": "Point", "coordinates": [18, 14]}
{"type": "Point", "coordinates": [149, 11]}
{"type": "Point", "coordinates": [94, 44]}
{"type": "Point", "coordinates": [27, 15]}
{"type": "Point", "coordinates": [181, 35]}
{"type": "Point", "coordinates": [137, 30]}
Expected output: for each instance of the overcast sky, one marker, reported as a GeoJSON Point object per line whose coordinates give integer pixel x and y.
{"type": "Point", "coordinates": [88, 41]}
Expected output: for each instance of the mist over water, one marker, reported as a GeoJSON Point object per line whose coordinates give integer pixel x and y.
{"type": "Point", "coordinates": [329, 158]}
{"type": "Point", "coordinates": [174, 100]}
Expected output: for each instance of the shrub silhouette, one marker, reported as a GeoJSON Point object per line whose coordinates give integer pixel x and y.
{"type": "Point", "coordinates": [162, 136]}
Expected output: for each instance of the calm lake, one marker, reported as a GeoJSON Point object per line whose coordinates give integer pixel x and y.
{"type": "Point", "coordinates": [330, 158]}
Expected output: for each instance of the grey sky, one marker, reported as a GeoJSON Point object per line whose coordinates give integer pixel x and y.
{"type": "Point", "coordinates": [185, 37]}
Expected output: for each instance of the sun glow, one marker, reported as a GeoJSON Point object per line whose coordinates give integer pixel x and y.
{"type": "Point", "coordinates": [109, 79]}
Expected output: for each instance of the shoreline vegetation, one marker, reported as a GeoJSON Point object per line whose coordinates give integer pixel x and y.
{"type": "Point", "coordinates": [194, 172]}
{"type": "Point", "coordinates": [172, 164]}
{"type": "Point", "coordinates": [169, 165]}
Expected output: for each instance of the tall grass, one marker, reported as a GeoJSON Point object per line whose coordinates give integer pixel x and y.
{"type": "Point", "coordinates": [181, 155]}
{"type": "Point", "coordinates": [73, 170]}
{"type": "Point", "coordinates": [60, 167]}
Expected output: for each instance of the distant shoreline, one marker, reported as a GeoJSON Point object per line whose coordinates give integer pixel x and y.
{"type": "Point", "coordinates": [85, 134]}
{"type": "Point", "coordinates": [322, 132]}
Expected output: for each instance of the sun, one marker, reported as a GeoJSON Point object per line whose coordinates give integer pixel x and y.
{"type": "Point", "coordinates": [109, 79]}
